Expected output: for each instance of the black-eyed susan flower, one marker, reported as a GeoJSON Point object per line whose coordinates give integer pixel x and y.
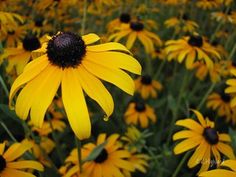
{"type": "Point", "coordinates": [136, 30]}
{"type": "Point", "coordinates": [10, 166]}
{"type": "Point", "coordinates": [182, 24]}
{"type": "Point", "coordinates": [147, 87]}
{"type": "Point", "coordinates": [231, 89]}
{"type": "Point", "coordinates": [207, 4]}
{"type": "Point", "coordinates": [139, 113]}
{"type": "Point", "coordinates": [225, 16]}
{"type": "Point", "coordinates": [220, 103]}
{"type": "Point", "coordinates": [228, 169]}
{"type": "Point", "coordinates": [70, 61]}
{"type": "Point", "coordinates": [225, 2]}
{"type": "Point", "coordinates": [204, 139]}
{"type": "Point", "coordinates": [110, 162]}
{"type": "Point", "coordinates": [124, 19]}
{"type": "Point", "coordinates": [7, 18]}
{"type": "Point", "coordinates": [20, 56]}
{"type": "Point", "coordinates": [190, 49]}
{"type": "Point", "coordinates": [158, 53]}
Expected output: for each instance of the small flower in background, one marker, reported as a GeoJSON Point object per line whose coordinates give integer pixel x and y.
{"type": "Point", "coordinates": [117, 23]}
{"type": "Point", "coordinates": [182, 24]}
{"type": "Point", "coordinates": [139, 113]}
{"type": "Point", "coordinates": [207, 4]}
{"type": "Point", "coordinates": [10, 166]}
{"type": "Point", "coordinates": [227, 16]}
{"type": "Point", "coordinates": [190, 49]}
{"type": "Point", "coordinates": [159, 54]}
{"type": "Point", "coordinates": [70, 61]}
{"type": "Point", "coordinates": [111, 160]}
{"type": "Point", "coordinates": [228, 169]}
{"type": "Point", "coordinates": [231, 89]}
{"type": "Point", "coordinates": [136, 30]}
{"type": "Point", "coordinates": [221, 104]}
{"type": "Point", "coordinates": [147, 87]}
{"type": "Point", "coordinates": [205, 141]}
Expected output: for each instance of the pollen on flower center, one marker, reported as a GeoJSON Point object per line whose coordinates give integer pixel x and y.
{"type": "Point", "coordinates": [31, 43]}
{"type": "Point", "coordinates": [136, 26]}
{"type": "Point", "coordinates": [196, 41]}
{"type": "Point", "coordinates": [211, 135]}
{"type": "Point", "coordinates": [125, 18]}
{"type": "Point", "coordinates": [66, 50]}
{"type": "Point", "coordinates": [102, 156]}
{"type": "Point", "coordinates": [3, 163]}
{"type": "Point", "coordinates": [140, 106]}
{"type": "Point", "coordinates": [146, 80]}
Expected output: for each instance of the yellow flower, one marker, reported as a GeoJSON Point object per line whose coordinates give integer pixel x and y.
{"type": "Point", "coordinates": [71, 62]}
{"type": "Point", "coordinates": [229, 171]}
{"type": "Point", "coordinates": [110, 162]}
{"type": "Point", "coordinates": [191, 48]}
{"type": "Point", "coordinates": [204, 139]}
{"type": "Point", "coordinates": [221, 103]}
{"type": "Point", "coordinates": [231, 89]}
{"type": "Point", "coordinates": [136, 30]}
{"type": "Point", "coordinates": [225, 17]}
{"type": "Point", "coordinates": [123, 20]}
{"type": "Point", "coordinates": [147, 87]}
{"type": "Point", "coordinates": [138, 113]}
{"type": "Point", "coordinates": [207, 4]}
{"type": "Point", "coordinates": [8, 164]}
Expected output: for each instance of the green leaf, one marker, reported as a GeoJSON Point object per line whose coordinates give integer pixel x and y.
{"type": "Point", "coordinates": [5, 109]}
{"type": "Point", "coordinates": [95, 153]}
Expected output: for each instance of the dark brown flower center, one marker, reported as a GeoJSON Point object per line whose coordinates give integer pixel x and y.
{"type": "Point", "coordinates": [102, 156]}
{"type": "Point", "coordinates": [140, 106]}
{"type": "Point", "coordinates": [146, 80]}
{"type": "Point", "coordinates": [136, 26]}
{"type": "Point", "coordinates": [39, 21]}
{"type": "Point", "coordinates": [3, 163]}
{"type": "Point", "coordinates": [225, 97]}
{"type": "Point", "coordinates": [11, 32]}
{"type": "Point", "coordinates": [66, 50]}
{"type": "Point", "coordinates": [211, 135]}
{"type": "Point", "coordinates": [31, 43]}
{"type": "Point", "coordinates": [125, 18]}
{"type": "Point", "coordinates": [196, 41]}
{"type": "Point", "coordinates": [185, 17]}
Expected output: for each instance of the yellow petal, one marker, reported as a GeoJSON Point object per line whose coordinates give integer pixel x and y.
{"type": "Point", "coordinates": [218, 173]}
{"type": "Point", "coordinates": [131, 39]}
{"type": "Point", "coordinates": [75, 105]}
{"type": "Point", "coordinates": [191, 124]}
{"type": "Point", "coordinates": [96, 90]}
{"type": "Point", "coordinates": [25, 164]}
{"type": "Point", "coordinates": [187, 144]}
{"type": "Point", "coordinates": [114, 76]}
{"type": "Point", "coordinates": [8, 172]}
{"type": "Point", "coordinates": [90, 38]}
{"type": "Point", "coordinates": [200, 117]}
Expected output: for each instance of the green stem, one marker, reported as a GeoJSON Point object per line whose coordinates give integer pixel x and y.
{"type": "Point", "coordinates": [4, 86]}
{"type": "Point", "coordinates": [177, 170]}
{"type": "Point", "coordinates": [175, 111]}
{"type": "Point", "coordinates": [159, 69]}
{"type": "Point", "coordinates": [8, 131]}
{"type": "Point", "coordinates": [232, 52]}
{"type": "Point", "coordinates": [205, 96]}
{"type": "Point", "coordinates": [84, 17]}
{"type": "Point", "coordinates": [78, 145]}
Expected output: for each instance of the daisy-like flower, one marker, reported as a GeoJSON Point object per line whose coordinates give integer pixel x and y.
{"type": "Point", "coordinates": [207, 4]}
{"type": "Point", "coordinates": [231, 89]}
{"type": "Point", "coordinates": [70, 61]}
{"type": "Point", "coordinates": [221, 104]}
{"type": "Point", "coordinates": [228, 169]}
{"type": "Point", "coordinates": [147, 87]}
{"type": "Point", "coordinates": [10, 166]}
{"type": "Point", "coordinates": [139, 113]}
{"type": "Point", "coordinates": [136, 30]}
{"type": "Point", "coordinates": [20, 56]}
{"type": "Point", "coordinates": [110, 162]}
{"type": "Point", "coordinates": [124, 19]}
{"type": "Point", "coordinates": [182, 24]}
{"type": "Point", "coordinates": [225, 17]}
{"type": "Point", "coordinates": [204, 139]}
{"type": "Point", "coordinates": [191, 48]}
{"type": "Point", "coordinates": [7, 18]}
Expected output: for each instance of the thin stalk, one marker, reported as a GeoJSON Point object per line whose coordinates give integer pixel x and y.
{"type": "Point", "coordinates": [78, 145]}
{"type": "Point", "coordinates": [179, 167]}
{"type": "Point", "coordinates": [4, 86]}
{"type": "Point", "coordinates": [232, 52]}
{"type": "Point", "coordinates": [8, 131]}
{"type": "Point", "coordinates": [159, 69]}
{"type": "Point", "coordinates": [205, 96]}
{"type": "Point", "coordinates": [84, 17]}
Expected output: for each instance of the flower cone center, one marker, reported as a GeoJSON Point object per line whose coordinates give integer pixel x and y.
{"type": "Point", "coordinates": [211, 135]}
{"type": "Point", "coordinates": [102, 156]}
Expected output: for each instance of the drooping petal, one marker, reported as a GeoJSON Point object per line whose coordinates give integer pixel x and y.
{"type": "Point", "coordinates": [25, 164]}
{"type": "Point", "coordinates": [90, 38]}
{"type": "Point", "coordinates": [131, 39]}
{"type": "Point", "coordinates": [74, 103]}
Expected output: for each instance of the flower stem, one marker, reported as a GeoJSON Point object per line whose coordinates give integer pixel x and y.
{"type": "Point", "coordinates": [205, 96]}
{"type": "Point", "coordinates": [84, 17]}
{"type": "Point", "coordinates": [78, 144]}
{"type": "Point", "coordinates": [8, 131]}
{"type": "Point", "coordinates": [4, 86]}
{"type": "Point", "coordinates": [177, 170]}
{"type": "Point", "coordinates": [232, 52]}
